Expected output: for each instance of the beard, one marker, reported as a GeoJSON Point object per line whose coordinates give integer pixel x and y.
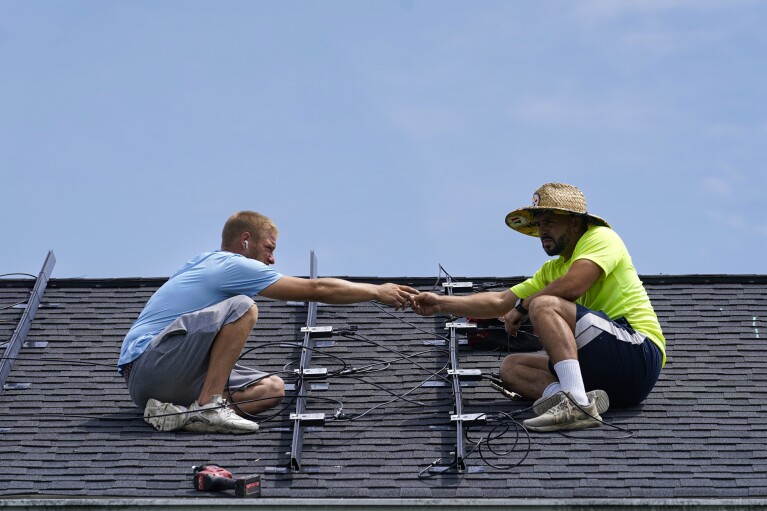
{"type": "Point", "coordinates": [556, 245]}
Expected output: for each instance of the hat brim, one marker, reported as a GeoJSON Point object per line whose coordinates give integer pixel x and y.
{"type": "Point", "coordinates": [521, 220]}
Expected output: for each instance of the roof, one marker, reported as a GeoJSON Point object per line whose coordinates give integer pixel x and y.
{"type": "Point", "coordinates": [69, 430]}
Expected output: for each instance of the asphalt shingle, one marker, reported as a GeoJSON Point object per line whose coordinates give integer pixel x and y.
{"type": "Point", "coordinates": [68, 428]}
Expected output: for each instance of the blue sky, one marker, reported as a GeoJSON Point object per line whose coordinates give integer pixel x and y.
{"type": "Point", "coordinates": [387, 136]}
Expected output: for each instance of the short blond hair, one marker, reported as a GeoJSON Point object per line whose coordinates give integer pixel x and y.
{"type": "Point", "coordinates": [246, 221]}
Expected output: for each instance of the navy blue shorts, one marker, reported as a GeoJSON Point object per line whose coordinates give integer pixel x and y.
{"type": "Point", "coordinates": [615, 358]}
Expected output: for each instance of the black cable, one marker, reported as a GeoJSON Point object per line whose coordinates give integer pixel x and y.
{"type": "Point", "coordinates": [369, 368]}
{"type": "Point", "coordinates": [402, 356]}
{"type": "Point", "coordinates": [453, 465]}
{"type": "Point", "coordinates": [361, 337]}
{"type": "Point", "coordinates": [132, 415]}
{"type": "Point", "coordinates": [23, 274]}
{"type": "Point", "coordinates": [490, 437]}
{"type": "Point", "coordinates": [6, 307]}
{"type": "Point", "coordinates": [56, 359]}
{"type": "Point", "coordinates": [443, 337]}
{"type": "Point", "coordinates": [442, 269]}
{"type": "Point", "coordinates": [389, 362]}
{"type": "Point", "coordinates": [628, 432]}
{"type": "Point", "coordinates": [384, 389]}
{"type": "Point", "coordinates": [394, 400]}
{"type": "Point", "coordinates": [321, 354]}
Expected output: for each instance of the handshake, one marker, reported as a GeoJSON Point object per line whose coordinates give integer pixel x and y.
{"type": "Point", "coordinates": [402, 297]}
{"type": "Point", "coordinates": [485, 305]}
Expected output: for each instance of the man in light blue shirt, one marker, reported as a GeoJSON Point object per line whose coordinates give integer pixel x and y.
{"type": "Point", "coordinates": [184, 346]}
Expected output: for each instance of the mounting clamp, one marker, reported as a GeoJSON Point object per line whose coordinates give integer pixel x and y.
{"type": "Point", "coordinates": [477, 418]}
{"type": "Point", "coordinates": [309, 419]}
{"type": "Point", "coordinates": [466, 374]}
{"type": "Point", "coordinates": [458, 286]}
{"type": "Point", "coordinates": [312, 372]}
{"type": "Point", "coordinates": [459, 325]}
{"type": "Point", "coordinates": [318, 331]}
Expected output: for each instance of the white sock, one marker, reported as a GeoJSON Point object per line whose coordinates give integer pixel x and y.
{"type": "Point", "coordinates": [569, 373]}
{"type": "Point", "coordinates": [552, 389]}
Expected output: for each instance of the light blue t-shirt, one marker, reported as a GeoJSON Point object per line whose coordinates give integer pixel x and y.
{"type": "Point", "coordinates": [207, 279]}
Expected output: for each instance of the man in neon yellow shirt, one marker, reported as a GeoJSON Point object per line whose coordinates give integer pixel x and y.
{"type": "Point", "coordinates": [601, 336]}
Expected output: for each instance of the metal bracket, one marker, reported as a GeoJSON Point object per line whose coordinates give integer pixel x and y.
{"type": "Point", "coordinates": [466, 374]}
{"type": "Point", "coordinates": [316, 372]}
{"type": "Point", "coordinates": [457, 285]}
{"type": "Point", "coordinates": [16, 386]}
{"type": "Point", "coordinates": [35, 344]}
{"type": "Point", "coordinates": [318, 331]}
{"type": "Point", "coordinates": [459, 325]}
{"type": "Point", "coordinates": [478, 418]}
{"type": "Point", "coordinates": [309, 419]}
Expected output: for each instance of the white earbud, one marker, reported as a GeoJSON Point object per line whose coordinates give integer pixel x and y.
{"type": "Point", "coordinates": [246, 244]}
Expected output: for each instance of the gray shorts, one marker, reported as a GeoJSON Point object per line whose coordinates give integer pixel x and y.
{"type": "Point", "coordinates": [173, 367]}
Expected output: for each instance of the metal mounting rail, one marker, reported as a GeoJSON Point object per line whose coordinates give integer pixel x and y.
{"type": "Point", "coordinates": [296, 446]}
{"type": "Point", "coordinates": [460, 448]}
{"type": "Point", "coordinates": [20, 333]}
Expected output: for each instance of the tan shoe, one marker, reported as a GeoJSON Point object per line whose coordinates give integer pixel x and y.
{"type": "Point", "coordinates": [600, 396]}
{"type": "Point", "coordinates": [567, 415]}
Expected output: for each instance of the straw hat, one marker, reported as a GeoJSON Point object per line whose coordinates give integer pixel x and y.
{"type": "Point", "coordinates": [557, 197]}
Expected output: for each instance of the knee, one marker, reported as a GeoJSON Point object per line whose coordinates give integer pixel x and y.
{"type": "Point", "coordinates": [251, 315]}
{"type": "Point", "coordinates": [274, 387]}
{"type": "Point", "coordinates": [542, 304]}
{"type": "Point", "coordinates": [509, 366]}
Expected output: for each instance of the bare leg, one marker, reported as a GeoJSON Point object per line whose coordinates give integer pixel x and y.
{"type": "Point", "coordinates": [262, 396]}
{"type": "Point", "coordinates": [226, 350]}
{"type": "Point", "coordinates": [554, 321]}
{"type": "Point", "coordinates": [526, 374]}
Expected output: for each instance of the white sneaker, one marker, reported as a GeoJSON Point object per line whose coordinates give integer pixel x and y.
{"type": "Point", "coordinates": [217, 417]}
{"type": "Point", "coordinates": [164, 416]}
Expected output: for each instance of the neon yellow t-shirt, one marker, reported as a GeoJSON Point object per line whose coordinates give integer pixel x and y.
{"type": "Point", "coordinates": [618, 292]}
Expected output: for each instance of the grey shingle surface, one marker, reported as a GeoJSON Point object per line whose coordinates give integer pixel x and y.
{"type": "Point", "coordinates": [74, 432]}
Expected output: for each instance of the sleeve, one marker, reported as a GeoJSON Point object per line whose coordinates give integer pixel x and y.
{"type": "Point", "coordinates": [535, 283]}
{"type": "Point", "coordinates": [602, 246]}
{"type": "Point", "coordinates": [243, 276]}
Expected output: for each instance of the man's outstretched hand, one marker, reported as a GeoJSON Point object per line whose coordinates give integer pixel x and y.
{"type": "Point", "coordinates": [426, 304]}
{"type": "Point", "coordinates": [399, 296]}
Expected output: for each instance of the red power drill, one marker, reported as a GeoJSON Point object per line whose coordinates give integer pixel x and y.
{"type": "Point", "coordinates": [215, 478]}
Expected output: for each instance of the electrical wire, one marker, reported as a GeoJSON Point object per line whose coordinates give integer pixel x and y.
{"type": "Point", "coordinates": [346, 372]}
{"type": "Point", "coordinates": [22, 274]}
{"type": "Point", "coordinates": [444, 337]}
{"type": "Point", "coordinates": [11, 306]}
{"type": "Point", "coordinates": [492, 435]}
{"type": "Point", "coordinates": [361, 337]}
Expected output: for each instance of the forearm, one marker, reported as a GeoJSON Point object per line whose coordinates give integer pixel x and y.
{"type": "Point", "coordinates": [479, 306]}
{"type": "Point", "coordinates": [340, 292]}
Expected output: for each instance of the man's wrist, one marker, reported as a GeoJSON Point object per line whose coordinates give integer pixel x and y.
{"type": "Point", "coordinates": [520, 307]}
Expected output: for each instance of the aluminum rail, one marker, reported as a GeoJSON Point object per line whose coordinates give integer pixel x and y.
{"type": "Point", "coordinates": [25, 322]}
{"type": "Point", "coordinates": [296, 445]}
{"type": "Point", "coordinates": [460, 447]}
